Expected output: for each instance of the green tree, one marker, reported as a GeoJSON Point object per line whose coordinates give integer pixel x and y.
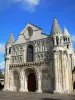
{"type": "Point", "coordinates": [1, 75]}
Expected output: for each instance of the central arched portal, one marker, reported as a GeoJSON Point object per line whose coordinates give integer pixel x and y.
{"type": "Point", "coordinates": [32, 82]}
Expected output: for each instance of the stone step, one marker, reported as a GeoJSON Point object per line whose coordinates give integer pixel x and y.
{"type": "Point", "coordinates": [35, 96]}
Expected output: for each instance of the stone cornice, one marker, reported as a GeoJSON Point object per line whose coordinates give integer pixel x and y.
{"type": "Point", "coordinates": [28, 63]}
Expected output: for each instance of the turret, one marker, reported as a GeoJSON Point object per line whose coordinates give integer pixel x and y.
{"type": "Point", "coordinates": [8, 44]}
{"type": "Point", "coordinates": [56, 34]}
{"type": "Point", "coordinates": [8, 61]}
{"type": "Point", "coordinates": [67, 39]}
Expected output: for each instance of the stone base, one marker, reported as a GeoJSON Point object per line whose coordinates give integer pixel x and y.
{"type": "Point", "coordinates": [58, 92]}
{"type": "Point", "coordinates": [39, 91]}
{"type": "Point", "coordinates": [23, 90]}
{"type": "Point", "coordinates": [5, 89]}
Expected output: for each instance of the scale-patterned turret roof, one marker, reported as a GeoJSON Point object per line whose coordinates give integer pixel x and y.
{"type": "Point", "coordinates": [66, 33]}
{"type": "Point", "coordinates": [55, 27]}
{"type": "Point", "coordinates": [10, 39]}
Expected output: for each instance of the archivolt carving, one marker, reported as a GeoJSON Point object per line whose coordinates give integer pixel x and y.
{"type": "Point", "coordinates": [33, 69]}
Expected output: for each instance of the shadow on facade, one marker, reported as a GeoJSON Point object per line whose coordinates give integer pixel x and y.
{"type": "Point", "coordinates": [49, 74]}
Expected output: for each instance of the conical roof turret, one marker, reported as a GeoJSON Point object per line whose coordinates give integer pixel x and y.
{"type": "Point", "coordinates": [55, 27]}
{"type": "Point", "coordinates": [66, 33]}
{"type": "Point", "coordinates": [10, 39]}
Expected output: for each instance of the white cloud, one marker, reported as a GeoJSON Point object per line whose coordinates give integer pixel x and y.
{"type": "Point", "coordinates": [29, 5]}
{"type": "Point", "coordinates": [30, 2]}
{"type": "Point", "coordinates": [2, 64]}
{"type": "Point", "coordinates": [73, 38]}
{"type": "Point", "coordinates": [2, 48]}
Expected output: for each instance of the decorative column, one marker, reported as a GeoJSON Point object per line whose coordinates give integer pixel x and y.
{"type": "Point", "coordinates": [25, 84]}
{"type": "Point", "coordinates": [39, 82]}
{"type": "Point", "coordinates": [35, 52]}
{"type": "Point", "coordinates": [58, 40]}
{"type": "Point", "coordinates": [6, 78]}
{"type": "Point", "coordinates": [22, 81]}
{"type": "Point", "coordinates": [61, 41]}
{"type": "Point", "coordinates": [25, 54]}
{"type": "Point", "coordinates": [60, 72]}
{"type": "Point", "coordinates": [54, 40]}
{"type": "Point", "coordinates": [56, 73]}
{"type": "Point", "coordinates": [70, 73]}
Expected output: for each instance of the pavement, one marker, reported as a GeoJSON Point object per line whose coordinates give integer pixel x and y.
{"type": "Point", "coordinates": [35, 96]}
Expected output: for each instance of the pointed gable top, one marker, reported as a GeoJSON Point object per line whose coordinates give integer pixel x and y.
{"type": "Point", "coordinates": [35, 25]}
{"type": "Point", "coordinates": [66, 33]}
{"type": "Point", "coordinates": [10, 39]}
{"type": "Point", "coordinates": [29, 25]}
{"type": "Point", "coordinates": [55, 27]}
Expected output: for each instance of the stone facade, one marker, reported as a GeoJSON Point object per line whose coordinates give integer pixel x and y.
{"type": "Point", "coordinates": [38, 62]}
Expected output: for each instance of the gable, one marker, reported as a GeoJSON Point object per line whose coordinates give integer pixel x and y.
{"type": "Point", "coordinates": [34, 27]}
{"type": "Point", "coordinates": [24, 36]}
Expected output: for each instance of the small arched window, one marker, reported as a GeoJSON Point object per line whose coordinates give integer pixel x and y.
{"type": "Point", "coordinates": [64, 39]}
{"type": "Point", "coordinates": [10, 50]}
{"type": "Point", "coordinates": [67, 46]}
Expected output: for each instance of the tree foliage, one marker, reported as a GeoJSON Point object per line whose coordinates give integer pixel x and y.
{"type": "Point", "coordinates": [1, 75]}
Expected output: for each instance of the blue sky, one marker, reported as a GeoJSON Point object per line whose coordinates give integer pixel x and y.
{"type": "Point", "coordinates": [15, 14]}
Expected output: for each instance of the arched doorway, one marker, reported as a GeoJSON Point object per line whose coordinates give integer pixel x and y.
{"type": "Point", "coordinates": [31, 79]}
{"type": "Point", "coordinates": [32, 82]}
{"type": "Point", "coordinates": [16, 80]}
{"type": "Point", "coordinates": [30, 54]}
{"type": "Point", "coordinates": [74, 85]}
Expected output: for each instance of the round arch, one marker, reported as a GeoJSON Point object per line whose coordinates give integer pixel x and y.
{"type": "Point", "coordinates": [31, 76]}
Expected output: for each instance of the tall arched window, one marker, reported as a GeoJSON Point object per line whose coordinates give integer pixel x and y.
{"type": "Point", "coordinates": [30, 53]}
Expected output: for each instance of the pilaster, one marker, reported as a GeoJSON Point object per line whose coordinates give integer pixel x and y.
{"type": "Point", "coordinates": [39, 83]}
{"type": "Point", "coordinates": [22, 81]}
{"type": "Point", "coordinates": [6, 82]}
{"type": "Point", "coordinates": [56, 72]}
{"type": "Point", "coordinates": [25, 83]}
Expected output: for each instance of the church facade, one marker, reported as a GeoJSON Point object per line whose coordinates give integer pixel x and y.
{"type": "Point", "coordinates": [38, 62]}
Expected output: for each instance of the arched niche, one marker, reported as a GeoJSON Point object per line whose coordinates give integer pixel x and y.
{"type": "Point", "coordinates": [16, 80]}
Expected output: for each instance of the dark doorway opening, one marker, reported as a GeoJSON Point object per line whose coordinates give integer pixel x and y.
{"type": "Point", "coordinates": [32, 82]}
{"type": "Point", "coordinates": [74, 86]}
{"type": "Point", "coordinates": [1, 86]}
